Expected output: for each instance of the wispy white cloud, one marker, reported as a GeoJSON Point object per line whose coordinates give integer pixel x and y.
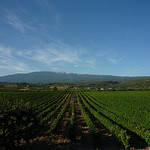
{"type": "Point", "coordinates": [92, 62]}
{"type": "Point", "coordinates": [8, 61]}
{"type": "Point", "coordinates": [53, 14]}
{"type": "Point", "coordinates": [14, 66]}
{"type": "Point", "coordinates": [5, 52]}
{"type": "Point", "coordinates": [52, 53]}
{"type": "Point", "coordinates": [56, 56]}
{"type": "Point", "coordinates": [16, 22]}
{"type": "Point", "coordinates": [115, 60]}
{"type": "Point", "coordinates": [58, 18]}
{"type": "Point", "coordinates": [76, 65]}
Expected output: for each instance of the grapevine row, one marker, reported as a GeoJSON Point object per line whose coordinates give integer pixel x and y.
{"type": "Point", "coordinates": [53, 113]}
{"type": "Point", "coordinates": [59, 117]}
{"type": "Point", "coordinates": [120, 133]}
{"type": "Point", "coordinates": [95, 133]}
{"type": "Point", "coordinates": [72, 128]}
{"type": "Point", "coordinates": [129, 124]}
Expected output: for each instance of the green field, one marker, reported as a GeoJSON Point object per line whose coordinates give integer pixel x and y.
{"type": "Point", "coordinates": [123, 115]}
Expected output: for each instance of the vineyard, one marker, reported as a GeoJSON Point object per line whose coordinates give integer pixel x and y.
{"type": "Point", "coordinates": [86, 120]}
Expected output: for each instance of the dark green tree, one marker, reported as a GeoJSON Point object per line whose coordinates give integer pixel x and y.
{"type": "Point", "coordinates": [55, 88]}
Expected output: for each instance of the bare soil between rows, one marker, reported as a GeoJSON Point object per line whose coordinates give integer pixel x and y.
{"type": "Point", "coordinates": [83, 139]}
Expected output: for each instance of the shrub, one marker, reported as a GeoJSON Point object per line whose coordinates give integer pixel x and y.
{"type": "Point", "coordinates": [17, 121]}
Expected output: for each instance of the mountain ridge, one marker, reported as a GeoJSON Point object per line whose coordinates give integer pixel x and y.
{"type": "Point", "coordinates": [59, 77]}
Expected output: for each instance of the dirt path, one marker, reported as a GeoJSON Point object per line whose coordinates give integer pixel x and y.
{"type": "Point", "coordinates": [45, 131]}
{"type": "Point", "coordinates": [83, 139]}
{"type": "Point", "coordinates": [61, 141]}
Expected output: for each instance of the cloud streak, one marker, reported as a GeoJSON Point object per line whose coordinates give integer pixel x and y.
{"type": "Point", "coordinates": [5, 52]}
{"type": "Point", "coordinates": [16, 22]}
{"type": "Point", "coordinates": [52, 53]}
{"type": "Point", "coordinates": [115, 60]}
{"type": "Point", "coordinates": [9, 63]}
{"type": "Point", "coordinates": [57, 56]}
{"type": "Point", "coordinates": [50, 8]}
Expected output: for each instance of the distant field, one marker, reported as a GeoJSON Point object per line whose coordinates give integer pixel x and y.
{"type": "Point", "coordinates": [114, 118]}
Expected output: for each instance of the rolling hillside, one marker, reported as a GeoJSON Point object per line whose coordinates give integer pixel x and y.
{"type": "Point", "coordinates": [57, 77]}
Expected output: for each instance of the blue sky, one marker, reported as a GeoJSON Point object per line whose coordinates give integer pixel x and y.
{"type": "Point", "coordinates": [110, 37]}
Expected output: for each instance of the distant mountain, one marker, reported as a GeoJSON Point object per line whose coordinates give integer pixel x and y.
{"type": "Point", "coordinates": [58, 77]}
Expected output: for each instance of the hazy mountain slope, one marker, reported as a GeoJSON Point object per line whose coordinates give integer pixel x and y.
{"type": "Point", "coordinates": [56, 77]}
